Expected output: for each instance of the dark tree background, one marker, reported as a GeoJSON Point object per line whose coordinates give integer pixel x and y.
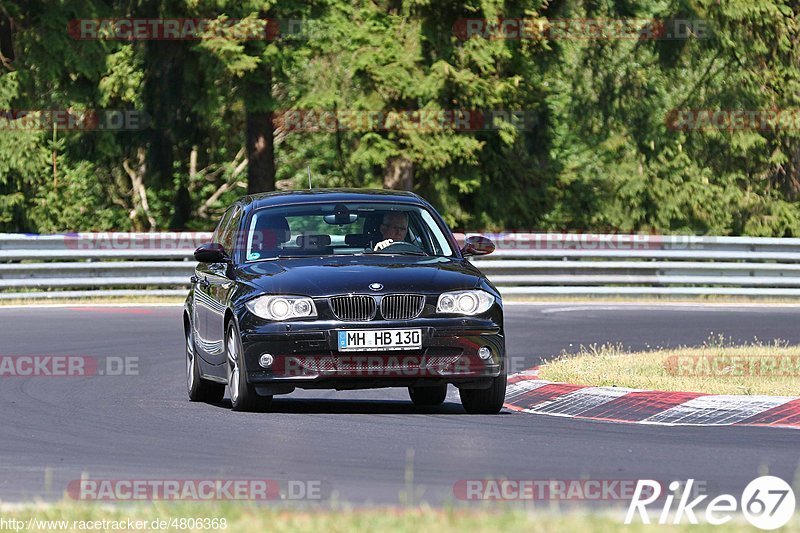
{"type": "Point", "coordinates": [592, 152]}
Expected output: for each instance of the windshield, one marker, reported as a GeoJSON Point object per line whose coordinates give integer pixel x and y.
{"type": "Point", "coordinates": [344, 229]}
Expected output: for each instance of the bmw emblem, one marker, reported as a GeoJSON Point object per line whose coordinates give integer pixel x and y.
{"type": "Point", "coordinates": [375, 286]}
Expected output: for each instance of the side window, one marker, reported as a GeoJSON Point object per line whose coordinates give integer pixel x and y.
{"type": "Point", "coordinates": [221, 226]}
{"type": "Point", "coordinates": [230, 229]}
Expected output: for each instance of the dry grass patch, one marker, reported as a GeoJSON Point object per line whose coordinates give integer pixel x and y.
{"type": "Point", "coordinates": [713, 368]}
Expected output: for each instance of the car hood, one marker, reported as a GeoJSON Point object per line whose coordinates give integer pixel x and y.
{"type": "Point", "coordinates": [327, 276]}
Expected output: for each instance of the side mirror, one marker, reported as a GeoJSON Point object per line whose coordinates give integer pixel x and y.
{"type": "Point", "coordinates": [211, 252]}
{"type": "Point", "coordinates": [477, 245]}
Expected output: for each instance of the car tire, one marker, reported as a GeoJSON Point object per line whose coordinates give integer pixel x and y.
{"type": "Point", "coordinates": [428, 395]}
{"type": "Point", "coordinates": [485, 401]}
{"type": "Point", "coordinates": [200, 390]}
{"type": "Point", "coordinates": [243, 394]}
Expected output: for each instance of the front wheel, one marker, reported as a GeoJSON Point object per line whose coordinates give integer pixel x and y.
{"type": "Point", "coordinates": [200, 390]}
{"type": "Point", "coordinates": [428, 395]}
{"type": "Point", "coordinates": [485, 401]}
{"type": "Point", "coordinates": [243, 394]}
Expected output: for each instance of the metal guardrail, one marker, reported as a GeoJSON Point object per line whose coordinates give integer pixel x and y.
{"type": "Point", "coordinates": [121, 264]}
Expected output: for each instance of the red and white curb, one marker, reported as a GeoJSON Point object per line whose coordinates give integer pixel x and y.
{"type": "Point", "coordinates": [527, 393]}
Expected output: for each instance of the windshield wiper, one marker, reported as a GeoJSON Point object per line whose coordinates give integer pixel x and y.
{"type": "Point", "coordinates": [275, 257]}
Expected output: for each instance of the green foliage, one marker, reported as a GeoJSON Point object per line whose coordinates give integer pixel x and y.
{"type": "Point", "coordinates": [595, 152]}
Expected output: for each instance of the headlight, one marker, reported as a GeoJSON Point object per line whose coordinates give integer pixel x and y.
{"type": "Point", "coordinates": [464, 302]}
{"type": "Point", "coordinates": [282, 307]}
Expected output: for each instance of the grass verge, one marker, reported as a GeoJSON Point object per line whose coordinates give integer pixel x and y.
{"type": "Point", "coordinates": [713, 368]}
{"type": "Point", "coordinates": [75, 516]}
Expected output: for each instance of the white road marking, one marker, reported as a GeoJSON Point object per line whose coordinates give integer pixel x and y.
{"type": "Point", "coordinates": [705, 411]}
{"type": "Point", "coordinates": [520, 388]}
{"type": "Point", "coordinates": [717, 410]}
{"type": "Point", "coordinates": [579, 401]}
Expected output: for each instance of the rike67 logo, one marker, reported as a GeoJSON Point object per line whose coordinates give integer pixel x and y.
{"type": "Point", "coordinates": [767, 502]}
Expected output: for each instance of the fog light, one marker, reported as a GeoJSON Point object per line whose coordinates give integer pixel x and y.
{"type": "Point", "coordinates": [484, 352]}
{"type": "Point", "coordinates": [266, 360]}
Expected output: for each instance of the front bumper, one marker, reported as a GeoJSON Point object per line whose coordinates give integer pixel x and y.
{"type": "Point", "coordinates": [306, 355]}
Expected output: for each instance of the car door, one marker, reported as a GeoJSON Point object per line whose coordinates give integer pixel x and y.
{"type": "Point", "coordinates": [206, 344]}
{"type": "Point", "coordinates": [220, 285]}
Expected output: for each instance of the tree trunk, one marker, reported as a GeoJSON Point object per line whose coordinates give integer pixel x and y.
{"type": "Point", "coordinates": [399, 174]}
{"type": "Point", "coordinates": [260, 143]}
{"type": "Point", "coordinates": [260, 152]}
{"type": "Point", "coordinates": [165, 102]}
{"type": "Point", "coordinates": [182, 204]}
{"type": "Point", "coordinates": [6, 42]}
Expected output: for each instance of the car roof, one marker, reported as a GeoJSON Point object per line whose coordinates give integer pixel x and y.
{"type": "Point", "coordinates": [330, 195]}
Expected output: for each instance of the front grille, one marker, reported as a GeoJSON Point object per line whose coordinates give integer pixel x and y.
{"type": "Point", "coordinates": [356, 307]}
{"type": "Point", "coordinates": [402, 306]}
{"type": "Point", "coordinates": [360, 363]}
{"type": "Point", "coordinates": [439, 358]}
{"type": "Point", "coordinates": [441, 362]}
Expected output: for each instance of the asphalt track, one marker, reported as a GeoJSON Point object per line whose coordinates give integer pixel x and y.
{"type": "Point", "coordinates": [364, 446]}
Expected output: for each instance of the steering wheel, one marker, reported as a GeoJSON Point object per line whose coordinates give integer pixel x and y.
{"type": "Point", "coordinates": [402, 246]}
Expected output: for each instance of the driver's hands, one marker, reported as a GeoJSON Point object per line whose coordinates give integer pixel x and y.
{"type": "Point", "coordinates": [383, 244]}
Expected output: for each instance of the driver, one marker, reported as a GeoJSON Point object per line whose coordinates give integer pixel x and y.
{"type": "Point", "coordinates": [393, 229]}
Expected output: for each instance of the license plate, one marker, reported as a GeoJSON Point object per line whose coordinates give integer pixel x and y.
{"type": "Point", "coordinates": [375, 340]}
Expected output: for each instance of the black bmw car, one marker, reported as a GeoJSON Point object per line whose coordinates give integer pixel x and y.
{"type": "Point", "coordinates": [342, 289]}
